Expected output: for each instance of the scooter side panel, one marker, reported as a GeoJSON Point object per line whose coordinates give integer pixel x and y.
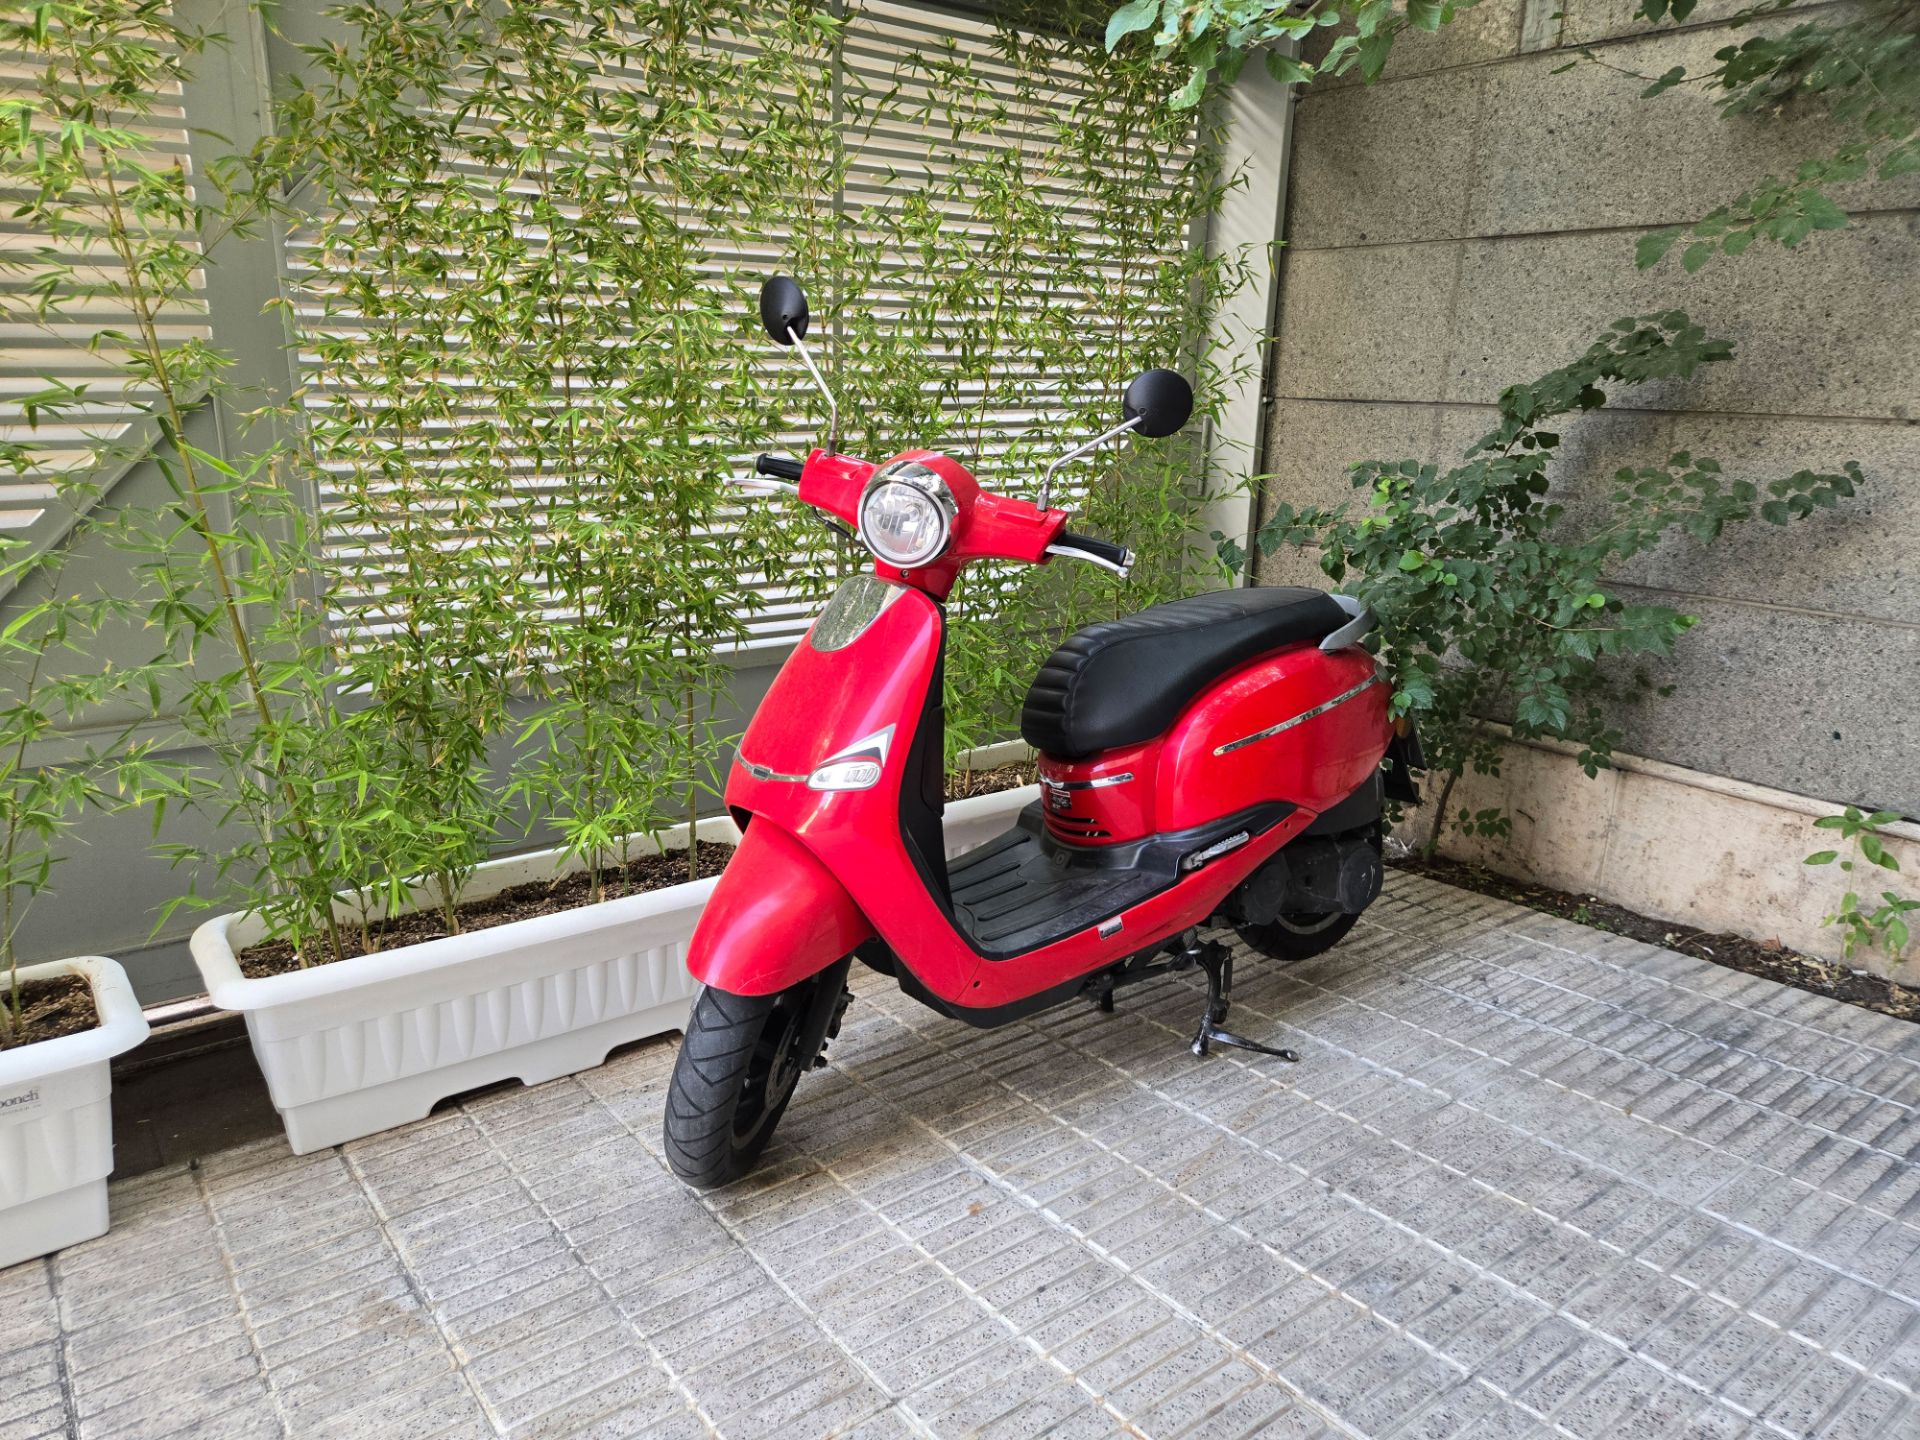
{"type": "Point", "coordinates": [1206, 766]}
{"type": "Point", "coordinates": [825, 701]}
{"type": "Point", "coordinates": [1302, 726]}
{"type": "Point", "coordinates": [822, 702]}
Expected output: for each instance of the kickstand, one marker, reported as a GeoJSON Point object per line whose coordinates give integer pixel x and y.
{"type": "Point", "coordinates": [1217, 961]}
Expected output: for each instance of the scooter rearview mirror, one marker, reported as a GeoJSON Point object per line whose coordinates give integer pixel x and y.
{"type": "Point", "coordinates": [1160, 400]}
{"type": "Point", "coordinates": [783, 309]}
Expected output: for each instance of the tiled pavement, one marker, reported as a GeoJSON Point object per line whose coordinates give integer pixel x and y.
{"type": "Point", "coordinates": [1528, 1179]}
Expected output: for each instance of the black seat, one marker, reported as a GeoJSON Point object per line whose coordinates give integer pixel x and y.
{"type": "Point", "coordinates": [1123, 681]}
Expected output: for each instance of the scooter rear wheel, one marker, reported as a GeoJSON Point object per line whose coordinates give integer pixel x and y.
{"type": "Point", "coordinates": [1297, 937]}
{"type": "Point", "coordinates": [739, 1062]}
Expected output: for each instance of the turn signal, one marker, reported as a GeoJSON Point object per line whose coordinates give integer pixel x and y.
{"type": "Point", "coordinates": [845, 775]}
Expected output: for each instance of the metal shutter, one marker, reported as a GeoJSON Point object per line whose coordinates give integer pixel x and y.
{"type": "Point", "coordinates": [80, 453]}
{"type": "Point", "coordinates": [885, 72]}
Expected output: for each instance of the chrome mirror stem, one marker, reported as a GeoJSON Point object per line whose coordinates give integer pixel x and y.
{"type": "Point", "coordinates": [833, 406]}
{"type": "Point", "coordinates": [1046, 481]}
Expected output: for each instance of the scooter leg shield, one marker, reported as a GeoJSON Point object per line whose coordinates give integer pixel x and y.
{"type": "Point", "coordinates": [776, 917]}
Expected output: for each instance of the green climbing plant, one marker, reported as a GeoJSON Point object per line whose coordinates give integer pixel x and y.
{"type": "Point", "coordinates": [1856, 66]}
{"type": "Point", "coordinates": [1211, 39]}
{"type": "Point", "coordinates": [1859, 67]}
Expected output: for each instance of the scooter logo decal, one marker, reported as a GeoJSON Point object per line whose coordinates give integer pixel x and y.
{"type": "Point", "coordinates": [858, 767]}
{"type": "Point", "coordinates": [767, 772]}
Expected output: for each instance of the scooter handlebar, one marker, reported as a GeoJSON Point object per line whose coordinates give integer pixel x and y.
{"type": "Point", "coordinates": [778, 466]}
{"type": "Point", "coordinates": [1103, 553]}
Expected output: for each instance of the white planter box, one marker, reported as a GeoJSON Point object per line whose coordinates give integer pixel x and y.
{"type": "Point", "coordinates": [56, 1119]}
{"type": "Point", "coordinates": [363, 1045]}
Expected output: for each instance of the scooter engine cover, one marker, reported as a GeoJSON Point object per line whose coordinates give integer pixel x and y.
{"type": "Point", "coordinates": [1262, 895]}
{"type": "Point", "coordinates": [1317, 874]}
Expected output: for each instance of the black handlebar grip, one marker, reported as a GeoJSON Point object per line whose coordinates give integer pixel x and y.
{"type": "Point", "coordinates": [1105, 549]}
{"type": "Point", "coordinates": [778, 466]}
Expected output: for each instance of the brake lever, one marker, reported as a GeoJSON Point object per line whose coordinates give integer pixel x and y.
{"type": "Point", "coordinates": [1073, 553]}
{"type": "Point", "coordinates": [760, 484]}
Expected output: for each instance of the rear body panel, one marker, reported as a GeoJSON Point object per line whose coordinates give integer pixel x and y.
{"type": "Point", "coordinates": [877, 694]}
{"type": "Point", "coordinates": [1299, 725]}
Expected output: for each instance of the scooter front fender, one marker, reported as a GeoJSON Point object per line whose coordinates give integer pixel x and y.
{"type": "Point", "coordinates": [777, 917]}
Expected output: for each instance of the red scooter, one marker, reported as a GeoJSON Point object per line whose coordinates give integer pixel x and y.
{"type": "Point", "coordinates": [1217, 759]}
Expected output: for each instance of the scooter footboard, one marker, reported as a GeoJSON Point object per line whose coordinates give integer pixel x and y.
{"type": "Point", "coordinates": [776, 917]}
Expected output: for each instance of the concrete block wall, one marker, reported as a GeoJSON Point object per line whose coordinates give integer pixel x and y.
{"type": "Point", "coordinates": [1469, 221]}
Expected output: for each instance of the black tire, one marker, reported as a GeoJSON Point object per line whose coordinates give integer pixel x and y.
{"type": "Point", "coordinates": [739, 1062]}
{"type": "Point", "coordinates": [1297, 937]}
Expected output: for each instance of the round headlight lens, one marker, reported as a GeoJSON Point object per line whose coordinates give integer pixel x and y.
{"type": "Point", "coordinates": [906, 514]}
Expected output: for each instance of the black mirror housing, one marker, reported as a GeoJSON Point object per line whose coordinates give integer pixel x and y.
{"type": "Point", "coordinates": [1161, 400]}
{"type": "Point", "coordinates": [783, 309]}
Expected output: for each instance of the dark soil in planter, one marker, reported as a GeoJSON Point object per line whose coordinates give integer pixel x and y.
{"type": "Point", "coordinates": [523, 902]}
{"type": "Point", "coordinates": [964, 784]}
{"type": "Point", "coordinates": [1766, 958]}
{"type": "Point", "coordinates": [52, 1008]}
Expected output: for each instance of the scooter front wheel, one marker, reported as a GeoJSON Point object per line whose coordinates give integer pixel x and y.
{"type": "Point", "coordinates": [739, 1062]}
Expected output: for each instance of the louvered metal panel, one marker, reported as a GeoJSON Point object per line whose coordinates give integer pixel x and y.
{"type": "Point", "coordinates": [50, 313]}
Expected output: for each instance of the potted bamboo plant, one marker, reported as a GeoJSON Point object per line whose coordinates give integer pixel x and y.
{"type": "Point", "coordinates": [491, 577]}
{"type": "Point", "coordinates": [62, 1020]}
{"type": "Point", "coordinates": [469, 570]}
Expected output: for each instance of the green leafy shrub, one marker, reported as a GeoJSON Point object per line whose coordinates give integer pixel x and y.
{"type": "Point", "coordinates": [1493, 597]}
{"type": "Point", "coordinates": [1863, 923]}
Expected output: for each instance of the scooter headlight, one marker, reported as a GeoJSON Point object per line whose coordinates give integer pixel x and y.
{"type": "Point", "coordinates": [906, 514]}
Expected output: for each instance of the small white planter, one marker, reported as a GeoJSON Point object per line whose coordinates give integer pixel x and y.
{"type": "Point", "coordinates": [56, 1119]}
{"type": "Point", "coordinates": [981, 818]}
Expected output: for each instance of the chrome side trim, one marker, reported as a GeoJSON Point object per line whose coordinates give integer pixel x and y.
{"type": "Point", "coordinates": [1300, 719]}
{"type": "Point", "coordinates": [1350, 632]}
{"type": "Point", "coordinates": [767, 772]}
{"type": "Point", "coordinates": [1215, 851]}
{"type": "Point", "coordinates": [1097, 783]}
